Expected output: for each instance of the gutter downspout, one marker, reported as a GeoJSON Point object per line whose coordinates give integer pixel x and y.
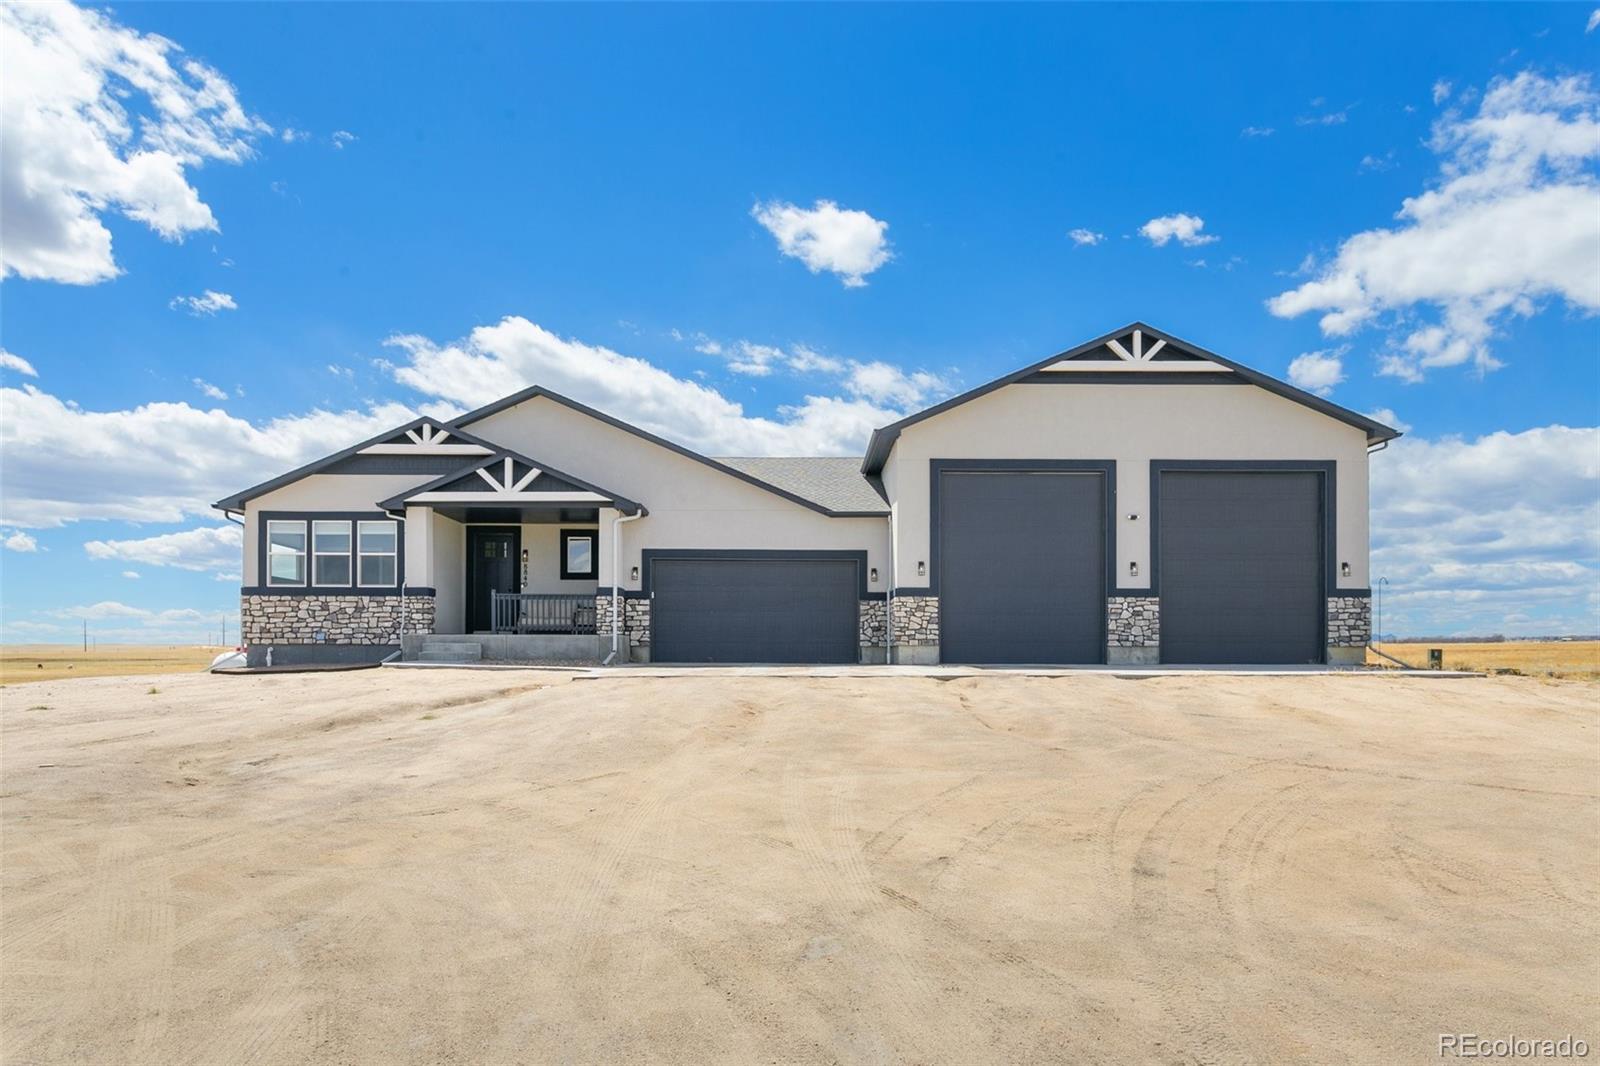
{"type": "Point", "coordinates": [888, 596]}
{"type": "Point", "coordinates": [616, 579]}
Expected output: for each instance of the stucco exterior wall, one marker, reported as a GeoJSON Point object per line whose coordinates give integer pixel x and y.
{"type": "Point", "coordinates": [690, 505]}
{"type": "Point", "coordinates": [1132, 425]}
{"type": "Point", "coordinates": [448, 556]}
{"type": "Point", "coordinates": [542, 542]}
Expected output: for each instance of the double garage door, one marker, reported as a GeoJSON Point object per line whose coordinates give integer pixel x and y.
{"type": "Point", "coordinates": [777, 607]}
{"type": "Point", "coordinates": [1023, 566]}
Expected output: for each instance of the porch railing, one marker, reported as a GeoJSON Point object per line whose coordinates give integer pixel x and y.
{"type": "Point", "coordinates": [534, 612]}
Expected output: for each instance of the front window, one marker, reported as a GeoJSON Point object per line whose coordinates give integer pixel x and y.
{"type": "Point", "coordinates": [286, 553]}
{"type": "Point", "coordinates": [330, 553]}
{"type": "Point", "coordinates": [378, 554]}
{"type": "Point", "coordinates": [577, 553]}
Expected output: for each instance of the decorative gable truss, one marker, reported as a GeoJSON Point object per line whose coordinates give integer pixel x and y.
{"type": "Point", "coordinates": [508, 478]}
{"type": "Point", "coordinates": [425, 438]}
{"type": "Point", "coordinates": [1135, 352]}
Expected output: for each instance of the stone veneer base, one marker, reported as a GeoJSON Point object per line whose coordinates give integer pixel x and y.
{"type": "Point", "coordinates": [332, 619]}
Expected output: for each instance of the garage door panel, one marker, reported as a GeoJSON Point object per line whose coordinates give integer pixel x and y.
{"type": "Point", "coordinates": [1241, 567]}
{"type": "Point", "coordinates": [1021, 566]}
{"type": "Point", "coordinates": [778, 610]}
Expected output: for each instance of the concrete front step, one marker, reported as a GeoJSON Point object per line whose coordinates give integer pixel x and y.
{"type": "Point", "coordinates": [453, 651]}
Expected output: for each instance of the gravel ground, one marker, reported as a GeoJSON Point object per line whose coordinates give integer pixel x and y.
{"type": "Point", "coordinates": [517, 866]}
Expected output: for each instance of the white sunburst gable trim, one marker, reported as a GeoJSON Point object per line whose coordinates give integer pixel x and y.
{"type": "Point", "coordinates": [427, 439]}
{"type": "Point", "coordinates": [1138, 359]}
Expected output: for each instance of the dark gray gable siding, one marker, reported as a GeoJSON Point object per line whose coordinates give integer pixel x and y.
{"type": "Point", "coordinates": [882, 441]}
{"type": "Point", "coordinates": [325, 465]}
{"type": "Point", "coordinates": [465, 479]}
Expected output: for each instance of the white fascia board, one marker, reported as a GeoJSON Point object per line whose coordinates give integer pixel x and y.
{"type": "Point", "coordinates": [1122, 366]}
{"type": "Point", "coordinates": [507, 497]}
{"type": "Point", "coordinates": [425, 449]}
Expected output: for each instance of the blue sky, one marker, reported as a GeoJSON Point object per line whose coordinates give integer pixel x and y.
{"type": "Point", "coordinates": [420, 207]}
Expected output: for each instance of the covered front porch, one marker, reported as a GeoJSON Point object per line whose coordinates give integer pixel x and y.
{"type": "Point", "coordinates": [518, 560]}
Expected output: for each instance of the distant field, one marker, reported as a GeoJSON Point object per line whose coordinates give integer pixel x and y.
{"type": "Point", "coordinates": [1555, 658]}
{"type": "Point", "coordinates": [47, 662]}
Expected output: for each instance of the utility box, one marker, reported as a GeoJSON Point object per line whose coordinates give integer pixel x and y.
{"type": "Point", "coordinates": [1435, 658]}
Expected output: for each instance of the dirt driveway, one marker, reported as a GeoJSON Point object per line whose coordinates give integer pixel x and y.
{"type": "Point", "coordinates": [393, 866]}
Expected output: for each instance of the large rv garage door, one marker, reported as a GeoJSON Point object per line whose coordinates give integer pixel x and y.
{"type": "Point", "coordinates": [1021, 566]}
{"type": "Point", "coordinates": [782, 608]}
{"type": "Point", "coordinates": [1241, 567]}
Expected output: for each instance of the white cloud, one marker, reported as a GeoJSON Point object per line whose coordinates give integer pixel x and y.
{"type": "Point", "coordinates": [341, 138]}
{"type": "Point", "coordinates": [1594, 20]}
{"type": "Point", "coordinates": [851, 244]}
{"type": "Point", "coordinates": [97, 117]}
{"type": "Point", "coordinates": [15, 362]}
{"type": "Point", "coordinates": [1496, 534]}
{"type": "Point", "coordinates": [1387, 416]}
{"type": "Point", "coordinates": [875, 381]}
{"type": "Point", "coordinates": [1257, 131]}
{"type": "Point", "coordinates": [158, 462]}
{"type": "Point", "coordinates": [19, 541]}
{"type": "Point", "coordinates": [209, 303]}
{"type": "Point", "coordinates": [1085, 237]}
{"type": "Point", "coordinates": [205, 548]}
{"type": "Point", "coordinates": [290, 135]}
{"type": "Point", "coordinates": [804, 360]}
{"type": "Point", "coordinates": [493, 361]}
{"type": "Point", "coordinates": [1186, 228]}
{"type": "Point", "coordinates": [209, 389]}
{"type": "Point", "coordinates": [1378, 163]}
{"type": "Point", "coordinates": [1513, 220]}
{"type": "Point", "coordinates": [341, 371]}
{"type": "Point", "coordinates": [1441, 91]}
{"type": "Point", "coordinates": [1330, 118]}
{"type": "Point", "coordinates": [884, 383]}
{"type": "Point", "coordinates": [1317, 372]}
{"type": "Point", "coordinates": [754, 360]}
{"type": "Point", "coordinates": [132, 575]}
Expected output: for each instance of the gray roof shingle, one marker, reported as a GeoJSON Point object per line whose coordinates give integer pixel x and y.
{"type": "Point", "coordinates": [833, 482]}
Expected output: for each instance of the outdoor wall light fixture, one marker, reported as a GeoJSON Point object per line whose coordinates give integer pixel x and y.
{"type": "Point", "coordinates": [524, 556]}
{"type": "Point", "coordinates": [1133, 518]}
{"type": "Point", "coordinates": [633, 575]}
{"type": "Point", "coordinates": [1344, 569]}
{"type": "Point", "coordinates": [872, 575]}
{"type": "Point", "coordinates": [1133, 569]}
{"type": "Point", "coordinates": [922, 568]}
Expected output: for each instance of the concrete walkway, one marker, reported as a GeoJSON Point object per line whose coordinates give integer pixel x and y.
{"type": "Point", "coordinates": [688, 670]}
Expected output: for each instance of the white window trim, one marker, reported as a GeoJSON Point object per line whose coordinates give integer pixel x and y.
{"type": "Point", "coordinates": [304, 553]}
{"type": "Point", "coordinates": [348, 553]}
{"type": "Point", "coordinates": [359, 554]}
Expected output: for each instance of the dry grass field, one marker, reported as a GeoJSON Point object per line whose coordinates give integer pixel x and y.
{"type": "Point", "coordinates": [462, 867]}
{"type": "Point", "coordinates": [1549, 658]}
{"type": "Point", "coordinates": [48, 662]}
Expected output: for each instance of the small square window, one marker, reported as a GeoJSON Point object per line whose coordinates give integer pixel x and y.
{"type": "Point", "coordinates": [577, 553]}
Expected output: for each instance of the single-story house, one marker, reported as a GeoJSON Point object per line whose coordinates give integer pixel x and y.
{"type": "Point", "coordinates": [1136, 499]}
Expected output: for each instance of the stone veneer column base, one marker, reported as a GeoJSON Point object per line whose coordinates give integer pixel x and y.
{"type": "Point", "coordinates": [1133, 630]}
{"type": "Point", "coordinates": [1349, 621]}
{"type": "Point", "coordinates": [635, 642]}
{"type": "Point", "coordinates": [916, 630]}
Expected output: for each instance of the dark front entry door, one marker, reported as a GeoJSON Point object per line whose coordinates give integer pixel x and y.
{"type": "Point", "coordinates": [492, 556]}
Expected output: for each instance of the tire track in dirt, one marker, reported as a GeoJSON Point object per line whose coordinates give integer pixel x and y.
{"type": "Point", "coordinates": [1196, 1002]}
{"type": "Point", "coordinates": [873, 947]}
